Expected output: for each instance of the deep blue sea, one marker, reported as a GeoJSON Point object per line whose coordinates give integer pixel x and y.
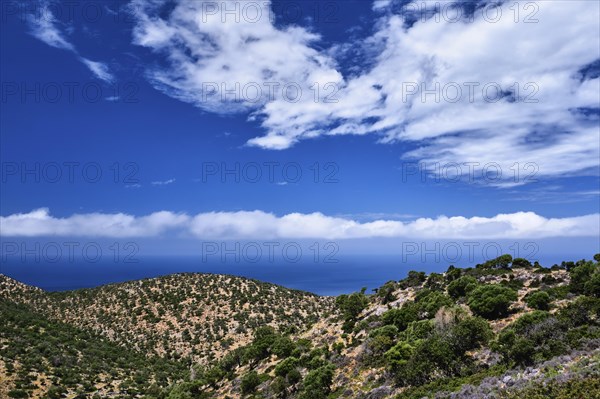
{"type": "Point", "coordinates": [349, 274]}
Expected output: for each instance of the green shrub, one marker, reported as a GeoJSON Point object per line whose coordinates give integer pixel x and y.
{"type": "Point", "coordinates": [592, 286]}
{"type": "Point", "coordinates": [501, 262]}
{"type": "Point", "coordinates": [413, 279]}
{"type": "Point", "coordinates": [317, 383]}
{"type": "Point", "coordinates": [398, 356]}
{"type": "Point", "coordinates": [401, 317]}
{"type": "Point", "coordinates": [539, 300]}
{"type": "Point", "coordinates": [282, 347]}
{"type": "Point", "coordinates": [491, 301]}
{"type": "Point", "coordinates": [429, 302]}
{"type": "Point", "coordinates": [435, 281]}
{"type": "Point", "coordinates": [18, 394]}
{"type": "Point", "coordinates": [469, 334]}
{"type": "Point", "coordinates": [386, 292]}
{"type": "Point", "coordinates": [351, 306]}
{"type": "Point", "coordinates": [461, 286]}
{"type": "Point", "coordinates": [250, 381]}
{"type": "Point", "coordinates": [521, 262]}
{"type": "Point", "coordinates": [580, 275]}
{"type": "Point", "coordinates": [286, 366]}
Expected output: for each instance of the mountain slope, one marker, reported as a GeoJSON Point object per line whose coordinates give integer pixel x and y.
{"type": "Point", "coordinates": [197, 317]}
{"type": "Point", "coordinates": [503, 329]}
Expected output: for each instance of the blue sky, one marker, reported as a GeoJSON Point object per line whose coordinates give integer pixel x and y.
{"type": "Point", "coordinates": [124, 88]}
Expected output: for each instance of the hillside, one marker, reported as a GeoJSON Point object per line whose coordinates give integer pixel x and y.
{"type": "Point", "coordinates": [196, 317]}
{"type": "Point", "coordinates": [503, 329]}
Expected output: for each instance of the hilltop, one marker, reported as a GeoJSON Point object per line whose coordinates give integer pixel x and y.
{"type": "Point", "coordinates": [503, 329]}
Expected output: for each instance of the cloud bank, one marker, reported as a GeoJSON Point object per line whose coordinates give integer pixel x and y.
{"type": "Point", "coordinates": [477, 88]}
{"type": "Point", "coordinates": [263, 225]}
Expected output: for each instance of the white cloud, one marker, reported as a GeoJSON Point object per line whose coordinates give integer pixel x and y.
{"type": "Point", "coordinates": [263, 225]}
{"type": "Point", "coordinates": [99, 69]}
{"type": "Point", "coordinates": [543, 59]}
{"type": "Point", "coordinates": [163, 183]}
{"type": "Point", "coordinates": [40, 223]}
{"type": "Point", "coordinates": [45, 27]}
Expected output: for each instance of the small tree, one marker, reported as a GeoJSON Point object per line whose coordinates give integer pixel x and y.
{"type": "Point", "coordinates": [592, 287]}
{"type": "Point", "coordinates": [539, 300]}
{"type": "Point", "coordinates": [250, 382]}
{"type": "Point", "coordinates": [317, 384]}
{"type": "Point", "coordinates": [491, 301]}
{"type": "Point", "coordinates": [580, 275]}
{"type": "Point", "coordinates": [461, 286]}
{"type": "Point", "coordinates": [521, 262]}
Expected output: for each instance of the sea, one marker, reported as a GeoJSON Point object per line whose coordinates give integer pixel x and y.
{"type": "Point", "coordinates": [346, 275]}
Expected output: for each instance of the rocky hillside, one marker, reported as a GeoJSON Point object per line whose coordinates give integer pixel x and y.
{"type": "Point", "coordinates": [198, 317]}
{"type": "Point", "coordinates": [502, 329]}
{"type": "Point", "coordinates": [505, 328]}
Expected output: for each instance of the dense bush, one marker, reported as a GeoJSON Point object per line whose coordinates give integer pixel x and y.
{"type": "Point", "coordinates": [442, 352]}
{"type": "Point", "coordinates": [521, 262]}
{"type": "Point", "coordinates": [286, 366]}
{"type": "Point", "coordinates": [429, 302]}
{"type": "Point", "coordinates": [386, 292]}
{"type": "Point", "coordinates": [501, 262]}
{"type": "Point", "coordinates": [413, 279]}
{"type": "Point", "coordinates": [539, 300]}
{"type": "Point", "coordinates": [317, 383]}
{"type": "Point", "coordinates": [351, 306]}
{"type": "Point", "coordinates": [250, 382]}
{"type": "Point", "coordinates": [581, 274]}
{"type": "Point", "coordinates": [491, 301]}
{"type": "Point", "coordinates": [401, 317]}
{"type": "Point", "coordinates": [461, 286]}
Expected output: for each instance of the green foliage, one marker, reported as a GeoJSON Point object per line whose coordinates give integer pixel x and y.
{"type": "Point", "coordinates": [282, 347]}
{"type": "Point", "coordinates": [592, 286]}
{"type": "Point", "coordinates": [461, 286]}
{"type": "Point", "coordinates": [398, 356]}
{"type": "Point", "coordinates": [501, 262]}
{"type": "Point", "coordinates": [419, 360]}
{"type": "Point", "coordinates": [540, 335]}
{"type": "Point", "coordinates": [469, 334]}
{"type": "Point", "coordinates": [401, 317]}
{"type": "Point", "coordinates": [380, 340]}
{"type": "Point", "coordinates": [413, 279]}
{"type": "Point", "coordinates": [286, 366]}
{"type": "Point", "coordinates": [386, 292]}
{"type": "Point", "coordinates": [279, 386]}
{"type": "Point", "coordinates": [41, 345]}
{"type": "Point", "coordinates": [18, 394]}
{"type": "Point", "coordinates": [580, 275]}
{"type": "Point", "coordinates": [539, 300]}
{"type": "Point", "coordinates": [351, 306]}
{"type": "Point", "coordinates": [429, 302]}
{"type": "Point", "coordinates": [250, 381]}
{"type": "Point", "coordinates": [491, 301]}
{"type": "Point", "coordinates": [521, 263]}
{"type": "Point", "coordinates": [453, 273]}
{"type": "Point", "coordinates": [435, 281]}
{"type": "Point", "coordinates": [317, 383]}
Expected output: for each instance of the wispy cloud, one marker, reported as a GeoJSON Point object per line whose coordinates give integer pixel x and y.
{"type": "Point", "coordinates": [45, 27]}
{"type": "Point", "coordinates": [259, 224]}
{"type": "Point", "coordinates": [163, 183]}
{"type": "Point", "coordinates": [99, 69]}
{"type": "Point", "coordinates": [532, 70]}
